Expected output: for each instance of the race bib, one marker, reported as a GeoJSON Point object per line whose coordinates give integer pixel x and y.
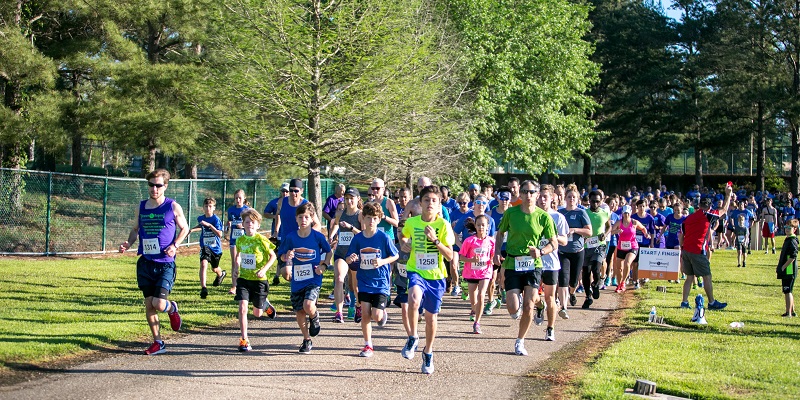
{"type": "Point", "coordinates": [236, 233]}
{"type": "Point", "coordinates": [248, 261]}
{"type": "Point", "coordinates": [639, 238]}
{"type": "Point", "coordinates": [151, 246]}
{"type": "Point", "coordinates": [427, 261]}
{"type": "Point", "coordinates": [625, 245]}
{"type": "Point", "coordinates": [209, 241]}
{"type": "Point", "coordinates": [741, 238]}
{"type": "Point", "coordinates": [345, 238]}
{"type": "Point", "coordinates": [302, 272]}
{"type": "Point", "coordinates": [524, 263]}
{"type": "Point", "coordinates": [401, 269]}
{"type": "Point", "coordinates": [366, 260]}
{"type": "Point", "coordinates": [592, 242]}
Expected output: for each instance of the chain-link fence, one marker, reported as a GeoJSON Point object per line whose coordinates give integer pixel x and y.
{"type": "Point", "coordinates": [48, 213]}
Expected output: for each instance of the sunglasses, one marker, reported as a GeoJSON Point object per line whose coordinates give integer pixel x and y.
{"type": "Point", "coordinates": [462, 202]}
{"type": "Point", "coordinates": [481, 203]}
{"type": "Point", "coordinates": [294, 190]}
{"type": "Point", "coordinates": [528, 191]}
{"type": "Point", "coordinates": [376, 188]}
{"type": "Point", "coordinates": [155, 185]}
{"type": "Point", "coordinates": [284, 191]}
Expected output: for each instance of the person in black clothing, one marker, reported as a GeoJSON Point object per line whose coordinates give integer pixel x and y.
{"type": "Point", "coordinates": [787, 266]}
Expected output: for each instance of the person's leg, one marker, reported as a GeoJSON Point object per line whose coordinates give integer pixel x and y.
{"type": "Point", "coordinates": [366, 323]}
{"type": "Point", "coordinates": [414, 300]}
{"type": "Point", "coordinates": [586, 277]}
{"type": "Point", "coordinates": [243, 318]}
{"type": "Point", "coordinates": [687, 287]}
{"type": "Point", "coordinates": [512, 301]}
{"type": "Point", "coordinates": [475, 305]}
{"type": "Point", "coordinates": [454, 275]}
{"type": "Point", "coordinates": [490, 287]}
{"type": "Point", "coordinates": [530, 296]}
{"type": "Point", "coordinates": [550, 300]}
{"type": "Point", "coordinates": [203, 268]}
{"type": "Point", "coordinates": [431, 321]}
{"type": "Point", "coordinates": [151, 311]}
{"type": "Point", "coordinates": [340, 269]}
{"type": "Point", "coordinates": [300, 316]}
{"type": "Point", "coordinates": [709, 288]}
{"type": "Point", "coordinates": [234, 267]}
{"type": "Point", "coordinates": [480, 293]}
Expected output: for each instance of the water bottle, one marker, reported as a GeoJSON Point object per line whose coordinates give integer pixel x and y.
{"type": "Point", "coordinates": [652, 314]}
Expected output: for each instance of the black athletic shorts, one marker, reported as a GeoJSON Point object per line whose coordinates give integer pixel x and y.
{"type": "Point", "coordinates": [377, 300]}
{"type": "Point", "coordinates": [622, 253]}
{"type": "Point", "coordinates": [550, 278]}
{"type": "Point", "coordinates": [310, 292]}
{"type": "Point", "coordinates": [210, 256]}
{"type": "Point", "coordinates": [253, 291]}
{"type": "Point", "coordinates": [520, 279]}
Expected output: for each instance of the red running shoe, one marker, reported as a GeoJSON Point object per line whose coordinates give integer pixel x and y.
{"type": "Point", "coordinates": [174, 318]}
{"type": "Point", "coordinates": [156, 348]}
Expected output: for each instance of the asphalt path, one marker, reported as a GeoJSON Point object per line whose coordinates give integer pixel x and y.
{"type": "Point", "coordinates": [208, 365]}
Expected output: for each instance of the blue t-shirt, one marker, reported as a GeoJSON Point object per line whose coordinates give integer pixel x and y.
{"type": "Point", "coordinates": [648, 223]}
{"type": "Point", "coordinates": [576, 218]}
{"type": "Point", "coordinates": [659, 221]}
{"type": "Point", "coordinates": [207, 237]}
{"type": "Point", "coordinates": [665, 212]}
{"type": "Point", "coordinates": [450, 205]}
{"type": "Point", "coordinates": [614, 217]}
{"type": "Point", "coordinates": [308, 253]}
{"type": "Point", "coordinates": [674, 224]}
{"type": "Point", "coordinates": [371, 279]}
{"type": "Point", "coordinates": [457, 214]}
{"type": "Point", "coordinates": [749, 217]}
{"type": "Point", "coordinates": [288, 217]}
{"type": "Point", "coordinates": [235, 218]}
{"type": "Point", "coordinates": [272, 208]}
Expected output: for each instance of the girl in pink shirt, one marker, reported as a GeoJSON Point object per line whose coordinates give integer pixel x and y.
{"type": "Point", "coordinates": [477, 253]}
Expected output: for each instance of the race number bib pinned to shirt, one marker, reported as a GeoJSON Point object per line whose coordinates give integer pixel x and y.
{"type": "Point", "coordinates": [625, 245]}
{"type": "Point", "coordinates": [248, 261]}
{"type": "Point", "coordinates": [151, 246]}
{"type": "Point", "coordinates": [209, 240]}
{"type": "Point", "coordinates": [236, 233]}
{"type": "Point", "coordinates": [401, 269]}
{"type": "Point", "coordinates": [345, 238]}
{"type": "Point", "coordinates": [740, 238]}
{"type": "Point", "coordinates": [366, 260]}
{"type": "Point", "coordinates": [524, 263]}
{"type": "Point", "coordinates": [302, 272]}
{"type": "Point", "coordinates": [592, 242]}
{"type": "Point", "coordinates": [427, 261]}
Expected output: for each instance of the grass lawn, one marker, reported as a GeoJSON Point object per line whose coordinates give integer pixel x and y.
{"type": "Point", "coordinates": [54, 307]}
{"type": "Point", "coordinates": [759, 361]}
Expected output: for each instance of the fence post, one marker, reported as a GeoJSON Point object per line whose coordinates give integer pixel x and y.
{"type": "Point", "coordinates": [224, 204]}
{"type": "Point", "coordinates": [47, 226]}
{"type": "Point", "coordinates": [105, 212]}
{"type": "Point", "coordinates": [255, 193]}
{"type": "Point", "coordinates": [189, 208]}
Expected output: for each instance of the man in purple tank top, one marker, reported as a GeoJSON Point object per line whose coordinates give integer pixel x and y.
{"type": "Point", "coordinates": [157, 221]}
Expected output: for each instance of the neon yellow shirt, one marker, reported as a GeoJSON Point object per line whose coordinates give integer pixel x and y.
{"type": "Point", "coordinates": [425, 258]}
{"type": "Point", "coordinates": [254, 253]}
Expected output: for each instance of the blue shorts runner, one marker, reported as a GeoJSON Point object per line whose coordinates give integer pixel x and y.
{"type": "Point", "coordinates": [155, 279]}
{"type": "Point", "coordinates": [432, 291]}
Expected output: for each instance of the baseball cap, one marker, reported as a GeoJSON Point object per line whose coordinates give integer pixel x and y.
{"type": "Point", "coordinates": [475, 186]}
{"type": "Point", "coordinates": [296, 183]}
{"type": "Point", "coordinates": [626, 209]}
{"type": "Point", "coordinates": [504, 196]}
{"type": "Point", "coordinates": [352, 192]}
{"type": "Point", "coordinates": [284, 187]}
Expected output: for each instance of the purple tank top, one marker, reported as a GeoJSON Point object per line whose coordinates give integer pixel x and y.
{"type": "Point", "coordinates": [156, 231]}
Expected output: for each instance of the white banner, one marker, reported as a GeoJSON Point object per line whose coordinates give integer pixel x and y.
{"type": "Point", "coordinates": [663, 264]}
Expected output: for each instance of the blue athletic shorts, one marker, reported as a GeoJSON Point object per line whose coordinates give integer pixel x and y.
{"type": "Point", "coordinates": [432, 291]}
{"type": "Point", "coordinates": [155, 279]}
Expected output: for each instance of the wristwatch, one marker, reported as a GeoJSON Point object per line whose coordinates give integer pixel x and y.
{"type": "Point", "coordinates": [437, 241]}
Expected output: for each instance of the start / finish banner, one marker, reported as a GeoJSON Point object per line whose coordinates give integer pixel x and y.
{"type": "Point", "coordinates": [659, 264]}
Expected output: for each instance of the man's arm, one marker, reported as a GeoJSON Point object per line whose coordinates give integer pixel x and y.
{"type": "Point", "coordinates": [392, 218]}
{"type": "Point", "coordinates": [134, 233]}
{"type": "Point", "coordinates": [180, 222]}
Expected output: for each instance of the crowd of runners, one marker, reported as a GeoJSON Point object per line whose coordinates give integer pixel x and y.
{"type": "Point", "coordinates": [536, 249]}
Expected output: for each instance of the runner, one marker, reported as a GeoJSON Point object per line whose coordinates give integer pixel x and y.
{"type": "Point", "coordinates": [642, 240]}
{"type": "Point", "coordinates": [463, 232]}
{"type": "Point", "coordinates": [286, 220]}
{"type": "Point", "coordinates": [660, 224]}
{"type": "Point", "coordinates": [270, 212]}
{"type": "Point", "coordinates": [155, 225]}
{"type": "Point", "coordinates": [628, 246]}
{"type": "Point", "coordinates": [210, 228]}
{"type": "Point", "coordinates": [551, 267]}
{"type": "Point", "coordinates": [346, 224]}
{"type": "Point", "coordinates": [477, 252]}
{"type": "Point", "coordinates": [513, 187]}
{"type": "Point", "coordinates": [769, 216]}
{"type": "Point", "coordinates": [503, 203]}
{"type": "Point", "coordinates": [428, 239]}
{"type": "Point", "coordinates": [571, 255]}
{"type": "Point", "coordinates": [332, 203]}
{"type": "Point", "coordinates": [612, 263]}
{"type": "Point", "coordinates": [528, 227]}
{"type": "Point", "coordinates": [596, 247]}
{"type": "Point", "coordinates": [377, 193]}
{"type": "Point", "coordinates": [787, 266]}
{"type": "Point", "coordinates": [447, 202]}
{"type": "Point", "coordinates": [235, 228]}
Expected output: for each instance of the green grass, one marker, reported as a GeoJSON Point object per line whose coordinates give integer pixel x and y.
{"type": "Point", "coordinates": [714, 361]}
{"type": "Point", "coordinates": [52, 308]}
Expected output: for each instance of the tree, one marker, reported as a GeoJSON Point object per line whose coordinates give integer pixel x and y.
{"type": "Point", "coordinates": [308, 83]}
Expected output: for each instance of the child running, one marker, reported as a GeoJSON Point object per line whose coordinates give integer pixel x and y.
{"type": "Point", "coordinates": [787, 266]}
{"type": "Point", "coordinates": [477, 252]}
{"type": "Point", "coordinates": [257, 255]}
{"type": "Point", "coordinates": [303, 251]}
{"type": "Point", "coordinates": [741, 240]}
{"type": "Point", "coordinates": [371, 254]}
{"type": "Point", "coordinates": [235, 229]}
{"type": "Point", "coordinates": [210, 227]}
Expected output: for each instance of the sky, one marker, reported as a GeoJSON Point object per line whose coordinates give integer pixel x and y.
{"type": "Point", "coordinates": [670, 13]}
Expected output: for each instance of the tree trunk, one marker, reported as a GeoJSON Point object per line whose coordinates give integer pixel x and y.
{"type": "Point", "coordinates": [314, 188]}
{"type": "Point", "coordinates": [698, 166]}
{"type": "Point", "coordinates": [587, 169]}
{"type": "Point", "coordinates": [190, 170]}
{"type": "Point", "coordinates": [16, 184]}
{"type": "Point", "coordinates": [32, 151]}
{"type": "Point", "coordinates": [77, 151]}
{"type": "Point", "coordinates": [761, 145]}
{"type": "Point", "coordinates": [151, 156]}
{"type": "Point", "coordinates": [794, 183]}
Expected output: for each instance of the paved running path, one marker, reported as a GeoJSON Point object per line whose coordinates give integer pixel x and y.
{"type": "Point", "coordinates": [208, 365]}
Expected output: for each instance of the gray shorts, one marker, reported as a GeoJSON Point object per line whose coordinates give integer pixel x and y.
{"type": "Point", "coordinates": [299, 297]}
{"type": "Point", "coordinates": [695, 264]}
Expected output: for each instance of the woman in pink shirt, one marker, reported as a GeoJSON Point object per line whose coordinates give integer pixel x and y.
{"type": "Point", "coordinates": [477, 253]}
{"type": "Point", "coordinates": [627, 248]}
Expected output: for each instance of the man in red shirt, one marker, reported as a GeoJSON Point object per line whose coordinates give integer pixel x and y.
{"type": "Point", "coordinates": [695, 239]}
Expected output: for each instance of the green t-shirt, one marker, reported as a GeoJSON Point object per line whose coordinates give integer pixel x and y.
{"type": "Point", "coordinates": [254, 253]}
{"type": "Point", "coordinates": [525, 230]}
{"type": "Point", "coordinates": [599, 220]}
{"type": "Point", "coordinates": [425, 258]}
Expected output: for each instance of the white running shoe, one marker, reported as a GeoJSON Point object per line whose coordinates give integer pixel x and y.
{"type": "Point", "coordinates": [519, 348]}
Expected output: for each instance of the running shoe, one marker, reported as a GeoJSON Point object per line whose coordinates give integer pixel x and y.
{"type": "Point", "coordinates": [744, 265]}
{"type": "Point", "coordinates": [607, 281]}
{"type": "Point", "coordinates": [472, 315]}
{"type": "Point", "coordinates": [786, 315]}
{"type": "Point", "coordinates": [596, 291]}
{"type": "Point", "coordinates": [385, 319]}
{"type": "Point", "coordinates": [333, 306]}
{"type": "Point", "coordinates": [464, 295]}
{"type": "Point", "coordinates": [331, 296]}
{"type": "Point", "coordinates": [357, 316]}
{"type": "Point", "coordinates": [313, 327]}
{"type": "Point", "coordinates": [519, 348]}
{"type": "Point", "coordinates": [306, 347]}
{"type": "Point", "coordinates": [487, 310]}
{"type": "Point", "coordinates": [156, 348]}
{"type": "Point", "coordinates": [685, 304]}
{"type": "Point", "coordinates": [174, 318]}
{"type": "Point", "coordinates": [563, 313]}
{"type": "Point", "coordinates": [337, 318]}
{"type": "Point", "coordinates": [270, 310]}
{"type": "Point", "coordinates": [613, 281]}
{"type": "Point", "coordinates": [699, 282]}
{"type": "Point", "coordinates": [549, 335]}
{"type": "Point", "coordinates": [456, 291]}
{"type": "Point", "coordinates": [410, 348]}
{"type": "Point", "coordinates": [244, 345]}
{"type": "Point", "coordinates": [366, 351]}
{"type": "Point", "coordinates": [588, 302]}
{"type": "Point", "coordinates": [219, 278]}
{"type": "Point", "coordinates": [503, 296]}
{"type": "Point", "coordinates": [773, 250]}
{"type": "Point", "coordinates": [717, 305]}
{"type": "Point", "coordinates": [518, 313]}
{"type": "Point", "coordinates": [498, 303]}
{"type": "Point", "coordinates": [539, 317]}
{"type": "Point", "coordinates": [476, 328]}
{"type": "Point", "coordinates": [579, 289]}
{"type": "Point", "coordinates": [427, 363]}
{"type": "Point", "coordinates": [573, 299]}
{"type": "Point", "coordinates": [351, 312]}
{"type": "Point", "coordinates": [203, 293]}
